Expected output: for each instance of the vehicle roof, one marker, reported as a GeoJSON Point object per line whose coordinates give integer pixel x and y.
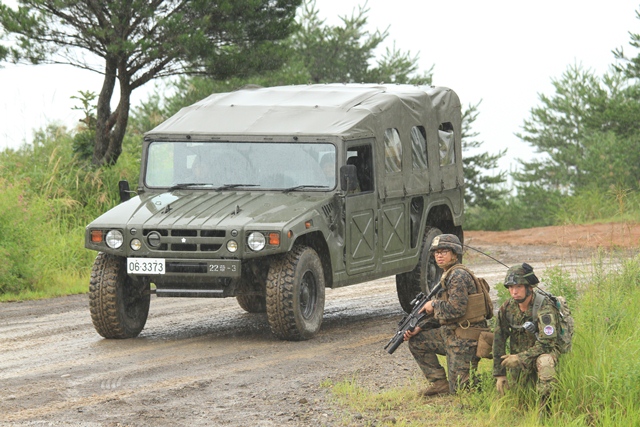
{"type": "Point", "coordinates": [322, 109]}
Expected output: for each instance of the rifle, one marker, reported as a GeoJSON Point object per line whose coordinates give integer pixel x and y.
{"type": "Point", "coordinates": [411, 320]}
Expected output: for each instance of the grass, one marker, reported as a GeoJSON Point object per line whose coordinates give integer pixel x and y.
{"type": "Point", "coordinates": [598, 380]}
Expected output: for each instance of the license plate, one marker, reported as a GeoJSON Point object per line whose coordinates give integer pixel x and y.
{"type": "Point", "coordinates": [230, 268]}
{"type": "Point", "coordinates": [145, 266]}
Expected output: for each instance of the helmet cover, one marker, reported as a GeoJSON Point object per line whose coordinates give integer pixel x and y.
{"type": "Point", "coordinates": [521, 274]}
{"type": "Point", "coordinates": [447, 241]}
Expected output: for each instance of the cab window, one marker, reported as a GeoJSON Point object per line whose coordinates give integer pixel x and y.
{"type": "Point", "coordinates": [361, 157]}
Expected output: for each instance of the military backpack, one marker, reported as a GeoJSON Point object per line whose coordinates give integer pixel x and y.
{"type": "Point", "coordinates": [565, 319]}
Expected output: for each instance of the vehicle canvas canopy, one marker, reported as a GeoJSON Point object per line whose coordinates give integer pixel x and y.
{"type": "Point", "coordinates": [328, 113]}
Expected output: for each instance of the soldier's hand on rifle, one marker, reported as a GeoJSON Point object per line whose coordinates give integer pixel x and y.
{"type": "Point", "coordinates": [408, 334]}
{"type": "Point", "coordinates": [427, 308]}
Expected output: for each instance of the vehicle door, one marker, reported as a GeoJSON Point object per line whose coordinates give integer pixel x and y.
{"type": "Point", "coordinates": [361, 206]}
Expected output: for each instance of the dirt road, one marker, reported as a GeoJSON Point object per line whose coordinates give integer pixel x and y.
{"type": "Point", "coordinates": [208, 363]}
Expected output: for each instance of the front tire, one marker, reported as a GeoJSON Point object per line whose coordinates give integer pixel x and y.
{"type": "Point", "coordinates": [295, 294]}
{"type": "Point", "coordinates": [423, 277]}
{"type": "Point", "coordinates": [119, 304]}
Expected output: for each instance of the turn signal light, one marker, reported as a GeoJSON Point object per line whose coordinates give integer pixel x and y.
{"type": "Point", "coordinates": [274, 239]}
{"type": "Point", "coordinates": [96, 236]}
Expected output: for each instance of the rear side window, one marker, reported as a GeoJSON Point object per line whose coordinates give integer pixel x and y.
{"type": "Point", "coordinates": [446, 139]}
{"type": "Point", "coordinates": [392, 151]}
{"type": "Point", "coordinates": [419, 147]}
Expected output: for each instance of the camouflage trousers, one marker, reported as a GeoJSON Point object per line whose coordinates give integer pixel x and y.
{"type": "Point", "coordinates": [544, 375]}
{"type": "Point", "coordinates": [460, 353]}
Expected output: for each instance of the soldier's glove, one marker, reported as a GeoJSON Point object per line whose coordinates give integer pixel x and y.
{"type": "Point", "coordinates": [501, 384]}
{"type": "Point", "coordinates": [511, 361]}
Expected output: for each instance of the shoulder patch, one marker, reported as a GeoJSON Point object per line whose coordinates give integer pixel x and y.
{"type": "Point", "coordinates": [548, 330]}
{"type": "Point", "coordinates": [546, 319]}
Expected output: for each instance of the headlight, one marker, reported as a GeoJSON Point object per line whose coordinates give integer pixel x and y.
{"type": "Point", "coordinates": [232, 246]}
{"type": "Point", "coordinates": [114, 239]}
{"type": "Point", "coordinates": [256, 241]}
{"type": "Point", "coordinates": [135, 244]}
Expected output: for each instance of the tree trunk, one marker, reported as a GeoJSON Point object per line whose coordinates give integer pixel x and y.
{"type": "Point", "coordinates": [111, 127]}
{"type": "Point", "coordinates": [104, 112]}
{"type": "Point", "coordinates": [119, 122]}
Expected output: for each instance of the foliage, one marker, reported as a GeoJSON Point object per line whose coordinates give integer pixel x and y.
{"type": "Point", "coordinates": [139, 41]}
{"type": "Point", "coordinates": [344, 53]}
{"type": "Point", "coordinates": [588, 132]}
{"type": "Point", "coordinates": [49, 196]}
{"type": "Point", "coordinates": [481, 189]}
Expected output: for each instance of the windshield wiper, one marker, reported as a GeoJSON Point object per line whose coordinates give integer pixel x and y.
{"type": "Point", "coordinates": [187, 185]}
{"type": "Point", "coordinates": [301, 187]}
{"type": "Point", "coordinates": [230, 186]}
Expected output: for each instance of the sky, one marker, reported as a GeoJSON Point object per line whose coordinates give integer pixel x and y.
{"type": "Point", "coordinates": [502, 53]}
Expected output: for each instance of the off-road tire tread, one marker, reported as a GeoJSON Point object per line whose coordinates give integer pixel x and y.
{"type": "Point", "coordinates": [107, 274]}
{"type": "Point", "coordinates": [281, 312]}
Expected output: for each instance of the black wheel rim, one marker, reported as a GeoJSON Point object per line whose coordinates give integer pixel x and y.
{"type": "Point", "coordinates": [308, 294]}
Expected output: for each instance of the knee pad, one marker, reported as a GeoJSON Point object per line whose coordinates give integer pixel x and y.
{"type": "Point", "coordinates": [546, 367]}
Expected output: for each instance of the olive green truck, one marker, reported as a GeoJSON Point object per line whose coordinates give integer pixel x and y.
{"type": "Point", "coordinates": [271, 195]}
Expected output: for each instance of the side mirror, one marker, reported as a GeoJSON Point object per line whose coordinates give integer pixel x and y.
{"type": "Point", "coordinates": [123, 189]}
{"type": "Point", "coordinates": [348, 178]}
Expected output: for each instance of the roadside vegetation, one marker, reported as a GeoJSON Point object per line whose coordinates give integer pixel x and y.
{"type": "Point", "coordinates": [597, 380]}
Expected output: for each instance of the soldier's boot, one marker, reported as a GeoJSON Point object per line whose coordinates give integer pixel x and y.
{"type": "Point", "coordinates": [436, 388]}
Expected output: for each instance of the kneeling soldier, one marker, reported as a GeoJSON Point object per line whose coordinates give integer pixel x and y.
{"type": "Point", "coordinates": [533, 342]}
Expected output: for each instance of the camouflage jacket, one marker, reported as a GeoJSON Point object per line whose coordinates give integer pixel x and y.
{"type": "Point", "coordinates": [458, 285]}
{"type": "Point", "coordinates": [526, 345]}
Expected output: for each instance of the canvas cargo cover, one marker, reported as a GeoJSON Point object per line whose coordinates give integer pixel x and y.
{"type": "Point", "coordinates": [343, 110]}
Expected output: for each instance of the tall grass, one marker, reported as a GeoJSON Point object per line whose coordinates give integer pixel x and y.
{"type": "Point", "coordinates": [536, 209]}
{"type": "Point", "coordinates": [598, 382]}
{"type": "Point", "coordinates": [48, 197]}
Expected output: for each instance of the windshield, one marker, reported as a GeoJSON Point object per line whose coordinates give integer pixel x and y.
{"type": "Point", "coordinates": [223, 165]}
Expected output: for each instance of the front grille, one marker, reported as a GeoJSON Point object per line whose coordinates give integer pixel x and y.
{"type": "Point", "coordinates": [188, 240]}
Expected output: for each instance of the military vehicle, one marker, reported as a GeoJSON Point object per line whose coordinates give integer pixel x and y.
{"type": "Point", "coordinates": [271, 195]}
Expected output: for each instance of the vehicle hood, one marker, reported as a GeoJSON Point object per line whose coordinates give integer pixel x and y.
{"type": "Point", "coordinates": [201, 209]}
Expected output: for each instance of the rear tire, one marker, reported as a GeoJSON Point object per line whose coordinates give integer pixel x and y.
{"type": "Point", "coordinates": [295, 294]}
{"type": "Point", "coordinates": [119, 304]}
{"type": "Point", "coordinates": [252, 303]}
{"type": "Point", "coordinates": [423, 277]}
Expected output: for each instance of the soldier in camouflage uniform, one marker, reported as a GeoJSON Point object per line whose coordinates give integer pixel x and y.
{"type": "Point", "coordinates": [441, 332]}
{"type": "Point", "coordinates": [533, 346]}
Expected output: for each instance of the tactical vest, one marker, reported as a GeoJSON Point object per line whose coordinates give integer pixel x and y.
{"type": "Point", "coordinates": [479, 307]}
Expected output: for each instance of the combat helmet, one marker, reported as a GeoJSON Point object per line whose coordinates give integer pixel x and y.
{"type": "Point", "coordinates": [447, 241]}
{"type": "Point", "coordinates": [521, 274]}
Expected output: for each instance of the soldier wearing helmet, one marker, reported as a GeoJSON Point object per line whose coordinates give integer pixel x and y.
{"type": "Point", "coordinates": [533, 342]}
{"type": "Point", "coordinates": [451, 329]}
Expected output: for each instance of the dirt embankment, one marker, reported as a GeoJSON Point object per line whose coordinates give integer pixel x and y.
{"type": "Point", "coordinates": [613, 235]}
{"type": "Point", "coordinates": [208, 363]}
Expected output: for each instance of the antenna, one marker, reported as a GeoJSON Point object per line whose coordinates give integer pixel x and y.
{"type": "Point", "coordinates": [485, 254]}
